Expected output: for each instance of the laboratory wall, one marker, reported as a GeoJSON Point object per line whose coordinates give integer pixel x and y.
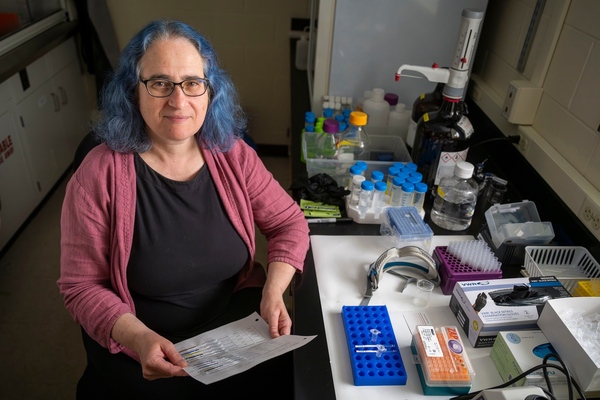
{"type": "Point", "coordinates": [563, 140]}
{"type": "Point", "coordinates": [252, 40]}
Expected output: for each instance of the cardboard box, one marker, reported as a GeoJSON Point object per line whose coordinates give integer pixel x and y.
{"type": "Point", "coordinates": [517, 351]}
{"type": "Point", "coordinates": [485, 307]}
{"type": "Point", "coordinates": [580, 363]}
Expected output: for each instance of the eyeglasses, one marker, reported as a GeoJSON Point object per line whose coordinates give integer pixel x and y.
{"type": "Point", "coordinates": [164, 87]}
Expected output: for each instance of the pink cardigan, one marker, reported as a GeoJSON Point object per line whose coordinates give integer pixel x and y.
{"type": "Point", "coordinates": [98, 219]}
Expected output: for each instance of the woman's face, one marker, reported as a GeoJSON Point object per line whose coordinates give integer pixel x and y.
{"type": "Point", "coordinates": [178, 117]}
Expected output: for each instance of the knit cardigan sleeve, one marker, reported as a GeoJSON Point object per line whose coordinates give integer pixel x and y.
{"type": "Point", "coordinates": [252, 197]}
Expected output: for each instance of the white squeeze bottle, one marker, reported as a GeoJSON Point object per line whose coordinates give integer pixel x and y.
{"type": "Point", "coordinates": [378, 111]}
{"type": "Point", "coordinates": [398, 121]}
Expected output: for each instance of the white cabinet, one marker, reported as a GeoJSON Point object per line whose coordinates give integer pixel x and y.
{"type": "Point", "coordinates": [44, 114]}
{"type": "Point", "coordinates": [16, 193]}
{"type": "Point", "coordinates": [53, 113]}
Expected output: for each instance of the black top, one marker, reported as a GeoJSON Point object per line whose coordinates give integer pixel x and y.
{"type": "Point", "coordinates": [185, 255]}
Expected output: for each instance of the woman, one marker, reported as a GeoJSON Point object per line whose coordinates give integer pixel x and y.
{"type": "Point", "coordinates": [158, 225]}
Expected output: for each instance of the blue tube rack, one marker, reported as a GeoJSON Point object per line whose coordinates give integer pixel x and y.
{"type": "Point", "coordinates": [367, 368]}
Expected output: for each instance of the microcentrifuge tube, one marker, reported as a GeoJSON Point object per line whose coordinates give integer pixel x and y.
{"type": "Point", "coordinates": [374, 334]}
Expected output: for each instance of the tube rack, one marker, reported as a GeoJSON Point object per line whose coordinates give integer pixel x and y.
{"type": "Point", "coordinates": [374, 362]}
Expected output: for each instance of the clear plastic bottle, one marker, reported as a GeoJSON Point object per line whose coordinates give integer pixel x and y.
{"type": "Point", "coordinates": [391, 174]}
{"type": "Point", "coordinates": [378, 110]}
{"type": "Point", "coordinates": [376, 176]}
{"type": "Point", "coordinates": [326, 144]}
{"type": "Point", "coordinates": [309, 141]}
{"type": "Point", "coordinates": [355, 143]}
{"type": "Point", "coordinates": [456, 198]}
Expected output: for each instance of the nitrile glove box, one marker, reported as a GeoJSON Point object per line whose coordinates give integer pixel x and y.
{"type": "Point", "coordinates": [576, 358]}
{"type": "Point", "coordinates": [515, 352]}
{"type": "Point", "coordinates": [485, 307]}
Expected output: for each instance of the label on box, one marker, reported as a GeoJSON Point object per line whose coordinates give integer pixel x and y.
{"type": "Point", "coordinates": [430, 341]}
{"type": "Point", "coordinates": [484, 307]}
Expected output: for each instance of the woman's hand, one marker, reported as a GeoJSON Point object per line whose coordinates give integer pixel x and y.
{"type": "Point", "coordinates": [158, 356]}
{"type": "Point", "coordinates": [272, 306]}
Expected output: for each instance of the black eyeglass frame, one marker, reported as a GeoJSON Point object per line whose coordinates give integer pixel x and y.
{"type": "Point", "coordinates": [180, 84]}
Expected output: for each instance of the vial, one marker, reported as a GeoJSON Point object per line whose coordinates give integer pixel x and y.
{"type": "Point", "coordinates": [365, 199]}
{"type": "Point", "coordinates": [410, 167]}
{"type": "Point", "coordinates": [396, 196]}
{"type": "Point", "coordinates": [419, 196]}
{"type": "Point", "coordinates": [379, 197]}
{"type": "Point", "coordinates": [354, 170]}
{"type": "Point", "coordinates": [406, 197]}
{"type": "Point", "coordinates": [376, 176]}
{"type": "Point", "coordinates": [391, 174]}
{"type": "Point", "coordinates": [357, 181]}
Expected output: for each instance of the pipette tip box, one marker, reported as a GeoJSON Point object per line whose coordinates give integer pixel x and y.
{"type": "Point", "coordinates": [451, 270]}
{"type": "Point", "coordinates": [441, 361]}
{"type": "Point", "coordinates": [374, 354]}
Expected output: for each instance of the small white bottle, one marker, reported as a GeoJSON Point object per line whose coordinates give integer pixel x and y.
{"type": "Point", "coordinates": [398, 120]}
{"type": "Point", "coordinates": [454, 204]}
{"type": "Point", "coordinates": [378, 111]}
{"type": "Point", "coordinates": [357, 181]}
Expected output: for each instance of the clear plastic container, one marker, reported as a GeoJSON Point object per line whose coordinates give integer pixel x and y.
{"type": "Point", "coordinates": [355, 143]}
{"type": "Point", "coordinates": [454, 205]}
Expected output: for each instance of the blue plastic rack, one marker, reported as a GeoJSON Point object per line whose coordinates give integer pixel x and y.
{"type": "Point", "coordinates": [371, 365]}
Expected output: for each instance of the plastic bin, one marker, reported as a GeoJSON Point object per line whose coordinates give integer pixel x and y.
{"type": "Point", "coordinates": [569, 264]}
{"type": "Point", "coordinates": [517, 223]}
{"type": "Point", "coordinates": [385, 150]}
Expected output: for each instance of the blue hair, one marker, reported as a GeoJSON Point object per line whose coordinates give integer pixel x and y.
{"type": "Point", "coordinates": [121, 125]}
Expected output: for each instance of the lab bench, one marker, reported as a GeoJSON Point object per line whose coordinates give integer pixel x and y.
{"type": "Point", "coordinates": [312, 364]}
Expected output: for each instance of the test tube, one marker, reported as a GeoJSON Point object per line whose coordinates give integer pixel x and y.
{"type": "Point", "coordinates": [396, 195]}
{"type": "Point", "coordinates": [379, 197]}
{"type": "Point", "coordinates": [406, 198]}
{"type": "Point", "coordinates": [365, 199]}
{"type": "Point", "coordinates": [419, 195]}
{"type": "Point", "coordinates": [374, 334]}
{"type": "Point", "coordinates": [410, 167]}
{"type": "Point", "coordinates": [354, 170]}
{"type": "Point", "coordinates": [392, 173]}
{"type": "Point", "coordinates": [380, 350]}
{"type": "Point", "coordinates": [357, 181]}
{"type": "Point", "coordinates": [376, 176]}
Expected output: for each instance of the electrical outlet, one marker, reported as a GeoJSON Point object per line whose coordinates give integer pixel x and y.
{"type": "Point", "coordinates": [590, 215]}
{"type": "Point", "coordinates": [523, 143]}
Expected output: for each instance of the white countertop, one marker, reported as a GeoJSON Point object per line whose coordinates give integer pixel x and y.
{"type": "Point", "coordinates": [341, 264]}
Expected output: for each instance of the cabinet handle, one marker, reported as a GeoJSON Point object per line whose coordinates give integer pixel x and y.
{"type": "Point", "coordinates": [63, 95]}
{"type": "Point", "coordinates": [56, 102]}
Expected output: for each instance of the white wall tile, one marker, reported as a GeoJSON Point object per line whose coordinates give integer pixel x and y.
{"type": "Point", "coordinates": [569, 136]}
{"type": "Point", "coordinates": [586, 100]}
{"type": "Point", "coordinates": [503, 27]}
{"type": "Point", "coordinates": [567, 65]}
{"type": "Point", "coordinates": [583, 15]}
{"type": "Point", "coordinates": [498, 74]}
